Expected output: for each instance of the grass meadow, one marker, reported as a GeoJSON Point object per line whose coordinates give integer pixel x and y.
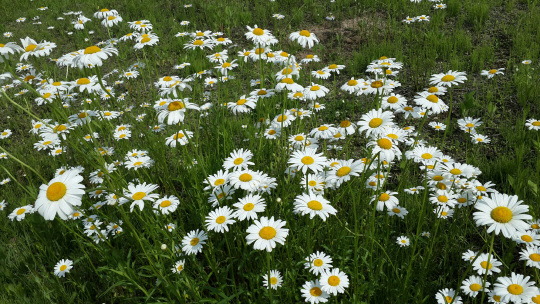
{"type": "Point", "coordinates": [347, 151]}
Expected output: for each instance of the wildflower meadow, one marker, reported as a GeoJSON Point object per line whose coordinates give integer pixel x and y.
{"type": "Point", "coordinates": [270, 151]}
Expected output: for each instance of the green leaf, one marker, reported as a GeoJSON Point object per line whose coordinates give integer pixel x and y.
{"type": "Point", "coordinates": [533, 186]}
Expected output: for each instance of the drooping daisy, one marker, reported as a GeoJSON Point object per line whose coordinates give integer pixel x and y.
{"type": "Point", "coordinates": [334, 281]}
{"type": "Point", "coordinates": [516, 289]}
{"type": "Point", "coordinates": [502, 212]}
{"type": "Point", "coordinates": [60, 195]}
{"type": "Point", "coordinates": [63, 267]}
{"type": "Point", "coordinates": [266, 232]}
{"type": "Point", "coordinates": [313, 293]}
{"type": "Point", "coordinates": [275, 279]}
{"type": "Point", "coordinates": [318, 263]}
{"type": "Point", "coordinates": [219, 219]}
{"type": "Point", "coordinates": [304, 38]}
{"type": "Point", "coordinates": [140, 193]}
{"type": "Point", "coordinates": [248, 207]}
{"type": "Point", "coordinates": [193, 241]}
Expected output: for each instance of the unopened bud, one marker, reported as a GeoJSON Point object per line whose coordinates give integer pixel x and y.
{"type": "Point", "coordinates": [163, 247]}
{"type": "Point", "coordinates": [278, 200]}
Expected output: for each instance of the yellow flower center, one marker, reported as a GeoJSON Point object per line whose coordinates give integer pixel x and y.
{"type": "Point", "coordinates": [267, 233]}
{"type": "Point", "coordinates": [377, 84]}
{"type": "Point", "coordinates": [63, 267]}
{"type": "Point", "coordinates": [375, 122]}
{"type": "Point", "coordinates": [501, 214]}
{"type": "Point", "coordinates": [392, 99]}
{"type": "Point", "coordinates": [56, 191]}
{"type": "Point", "coordinates": [396, 210]}
{"type": "Point", "coordinates": [178, 136]}
{"type": "Point", "coordinates": [305, 33]}
{"type": "Point", "coordinates": [442, 198]}
{"type": "Point", "coordinates": [220, 220]}
{"type": "Point", "coordinates": [310, 56]}
{"type": "Point", "coordinates": [30, 48]}
{"type": "Point", "coordinates": [515, 289]}
{"type": "Point", "coordinates": [307, 160]}
{"type": "Point", "coordinates": [298, 95]}
{"type": "Point", "coordinates": [281, 118]}
{"type": "Point", "coordinates": [315, 88]}
{"type": "Point", "coordinates": [175, 105]}
{"type": "Point", "coordinates": [497, 298]}
{"type": "Point", "coordinates": [238, 161]}
{"type": "Point", "coordinates": [323, 128]}
{"type": "Point", "coordinates": [219, 181]}
{"type": "Point", "coordinates": [333, 66]}
{"type": "Point", "coordinates": [536, 123]}
{"type": "Point", "coordinates": [145, 40]}
{"type": "Point", "coordinates": [455, 171]}
{"type": "Point", "coordinates": [248, 207]}
{"type": "Point", "coordinates": [47, 95]}
{"type": "Point", "coordinates": [320, 72]}
{"type": "Point", "coordinates": [448, 78]}
{"type": "Point", "coordinates": [484, 265]}
{"type": "Point", "coordinates": [165, 204]}
{"type": "Point", "coordinates": [315, 291]}
{"type": "Point", "coordinates": [272, 132]}
{"type": "Point", "coordinates": [138, 196]}
{"type": "Point", "coordinates": [352, 83]}
{"type": "Point", "coordinates": [526, 238]}
{"type": "Point", "coordinates": [198, 42]}
{"type": "Point", "coordinates": [92, 50]}
{"type": "Point", "coordinates": [492, 71]}
{"type": "Point", "coordinates": [111, 18]}
{"type": "Point", "coordinates": [343, 171]}
{"type": "Point", "coordinates": [433, 98]}
{"type": "Point", "coordinates": [245, 177]}
{"type": "Point", "coordinates": [333, 280]}
{"type": "Point", "coordinates": [314, 205]}
{"type": "Point", "coordinates": [262, 92]}
{"type": "Point", "coordinates": [287, 81]}
{"type": "Point", "coordinates": [194, 241]}
{"type": "Point", "coordinates": [21, 211]}
{"type": "Point", "coordinates": [384, 143]}
{"type": "Point", "coordinates": [535, 226]}
{"type": "Point", "coordinates": [384, 197]}
{"type": "Point", "coordinates": [258, 31]}
{"type": "Point", "coordinates": [535, 257]}
{"type": "Point", "coordinates": [448, 299]}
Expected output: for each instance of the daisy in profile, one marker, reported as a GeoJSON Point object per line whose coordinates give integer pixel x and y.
{"type": "Point", "coordinates": [140, 193]}
{"type": "Point", "coordinates": [422, 18]}
{"type": "Point", "coordinates": [62, 267]}
{"type": "Point", "coordinates": [221, 194]}
{"type": "Point", "coordinates": [445, 296]}
{"type": "Point", "coordinates": [398, 211]}
{"type": "Point", "coordinates": [238, 160]}
{"type": "Point", "coordinates": [104, 13]}
{"type": "Point", "coordinates": [216, 180]}
{"type": "Point", "coordinates": [491, 73]}
{"type": "Point", "coordinates": [516, 289]}
{"type": "Point", "coordinates": [20, 213]}
{"type": "Point", "coordinates": [409, 20]}
{"type": "Point", "coordinates": [451, 78]}
{"type": "Point", "coordinates": [334, 281]}
{"type": "Point", "coordinates": [313, 204]}
{"type": "Point", "coordinates": [304, 38]}
{"type": "Point", "coordinates": [469, 255]}
{"type": "Point", "coordinates": [529, 238]}
{"type": "Point", "coordinates": [479, 138]}
{"type": "Point", "coordinates": [60, 195]}
{"type": "Point", "coordinates": [219, 219]}
{"type": "Point", "coordinates": [533, 124]}
{"type": "Point", "coordinates": [318, 263]}
{"type": "Point", "coordinates": [502, 212]}
{"type": "Point", "coordinates": [167, 204]}
{"type": "Point", "coordinates": [193, 241]}
{"type": "Point", "coordinates": [112, 20]}
{"type": "Point", "coordinates": [313, 293]}
{"type": "Point", "coordinates": [342, 171]}
{"type": "Point", "coordinates": [145, 40]}
{"type": "Point", "coordinates": [266, 233]}
{"type": "Point", "coordinates": [178, 266]}
{"type": "Point", "coordinates": [531, 255]}
{"type": "Point", "coordinates": [374, 121]}
{"type": "Point", "coordinates": [308, 159]}
{"type": "Point", "coordinates": [174, 110]}
{"type": "Point", "coordinates": [180, 138]}
{"type": "Point", "coordinates": [93, 56]}
{"type": "Point", "coordinates": [248, 207]}
{"type": "Point", "coordinates": [275, 279]}
{"type": "Point", "coordinates": [481, 264]}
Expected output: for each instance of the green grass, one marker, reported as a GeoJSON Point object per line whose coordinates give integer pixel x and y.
{"type": "Point", "coordinates": [468, 35]}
